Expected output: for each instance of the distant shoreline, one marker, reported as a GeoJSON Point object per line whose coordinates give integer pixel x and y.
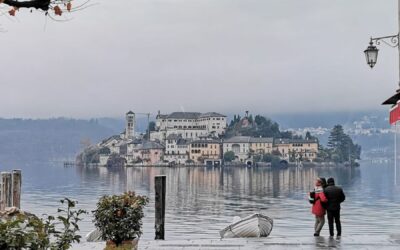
{"type": "Point", "coordinates": [262, 165]}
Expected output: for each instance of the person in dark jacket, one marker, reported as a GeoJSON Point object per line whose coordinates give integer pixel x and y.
{"type": "Point", "coordinates": [323, 182]}
{"type": "Point", "coordinates": [335, 196]}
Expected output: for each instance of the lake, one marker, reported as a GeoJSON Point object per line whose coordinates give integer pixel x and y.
{"type": "Point", "coordinates": [203, 200]}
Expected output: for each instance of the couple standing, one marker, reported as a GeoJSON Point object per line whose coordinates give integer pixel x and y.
{"type": "Point", "coordinates": [327, 197]}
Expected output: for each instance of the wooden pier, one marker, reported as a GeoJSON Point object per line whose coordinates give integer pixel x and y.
{"type": "Point", "coordinates": [365, 242]}
{"type": "Point", "coordinates": [69, 164]}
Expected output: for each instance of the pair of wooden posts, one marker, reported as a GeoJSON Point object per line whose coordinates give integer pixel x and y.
{"type": "Point", "coordinates": [10, 196]}
{"type": "Point", "coordinates": [10, 191]}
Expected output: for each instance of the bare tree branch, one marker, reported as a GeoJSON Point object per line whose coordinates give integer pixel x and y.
{"type": "Point", "coordinates": [38, 4]}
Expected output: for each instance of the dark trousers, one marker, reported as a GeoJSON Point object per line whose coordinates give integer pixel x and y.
{"type": "Point", "coordinates": [334, 215]}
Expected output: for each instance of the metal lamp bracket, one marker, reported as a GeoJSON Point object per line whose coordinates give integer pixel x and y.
{"type": "Point", "coordinates": [392, 41]}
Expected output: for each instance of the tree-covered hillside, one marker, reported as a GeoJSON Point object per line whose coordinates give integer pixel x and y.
{"type": "Point", "coordinates": [259, 126]}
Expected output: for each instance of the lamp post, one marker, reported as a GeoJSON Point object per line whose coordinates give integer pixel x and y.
{"type": "Point", "coordinates": [371, 55]}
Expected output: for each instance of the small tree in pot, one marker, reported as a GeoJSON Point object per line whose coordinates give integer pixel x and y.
{"type": "Point", "coordinates": [119, 217]}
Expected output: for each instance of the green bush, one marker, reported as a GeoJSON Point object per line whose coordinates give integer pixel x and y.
{"type": "Point", "coordinates": [229, 156]}
{"type": "Point", "coordinates": [23, 232]}
{"type": "Point", "coordinates": [119, 217]}
{"type": "Point", "coordinates": [26, 231]}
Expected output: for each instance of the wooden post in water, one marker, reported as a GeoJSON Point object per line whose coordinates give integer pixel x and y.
{"type": "Point", "coordinates": [6, 192]}
{"type": "Point", "coordinates": [16, 188]}
{"type": "Point", "coordinates": [160, 184]}
{"type": "Point", "coordinates": [1, 194]}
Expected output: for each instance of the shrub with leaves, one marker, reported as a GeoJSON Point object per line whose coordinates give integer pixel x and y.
{"type": "Point", "coordinates": [68, 220]}
{"type": "Point", "coordinates": [23, 232]}
{"type": "Point", "coordinates": [119, 217]}
{"type": "Point", "coordinates": [26, 231]}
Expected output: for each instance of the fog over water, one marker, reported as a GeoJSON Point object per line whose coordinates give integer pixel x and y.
{"type": "Point", "coordinates": [197, 55]}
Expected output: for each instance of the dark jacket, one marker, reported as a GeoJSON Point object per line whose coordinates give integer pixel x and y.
{"type": "Point", "coordinates": [335, 196]}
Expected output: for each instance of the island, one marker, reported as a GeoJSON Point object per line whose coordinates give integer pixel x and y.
{"type": "Point", "coordinates": [193, 138]}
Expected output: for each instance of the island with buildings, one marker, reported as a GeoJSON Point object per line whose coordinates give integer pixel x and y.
{"type": "Point", "coordinates": [192, 138]}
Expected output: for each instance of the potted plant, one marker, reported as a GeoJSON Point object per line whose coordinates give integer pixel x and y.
{"type": "Point", "coordinates": [119, 219]}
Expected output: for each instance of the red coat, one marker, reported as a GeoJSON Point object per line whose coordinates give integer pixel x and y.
{"type": "Point", "coordinates": [317, 208]}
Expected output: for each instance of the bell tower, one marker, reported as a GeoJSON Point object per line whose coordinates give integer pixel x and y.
{"type": "Point", "coordinates": [130, 125]}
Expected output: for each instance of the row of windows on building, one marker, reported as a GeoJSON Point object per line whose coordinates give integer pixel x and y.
{"type": "Point", "coordinates": [203, 145]}
{"type": "Point", "coordinates": [204, 119]}
{"type": "Point", "coordinates": [268, 145]}
{"type": "Point", "coordinates": [175, 153]}
{"type": "Point", "coordinates": [191, 135]}
{"type": "Point", "coordinates": [193, 151]}
{"type": "Point", "coordinates": [237, 150]}
{"type": "Point", "coordinates": [301, 150]}
{"type": "Point", "coordinates": [299, 144]}
{"type": "Point", "coordinates": [196, 127]}
{"type": "Point", "coordinates": [198, 151]}
{"type": "Point", "coordinates": [300, 153]}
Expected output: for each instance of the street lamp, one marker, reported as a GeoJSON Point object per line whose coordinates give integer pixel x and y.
{"type": "Point", "coordinates": [371, 54]}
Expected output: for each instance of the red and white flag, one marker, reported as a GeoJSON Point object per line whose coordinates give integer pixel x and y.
{"type": "Point", "coordinates": [394, 114]}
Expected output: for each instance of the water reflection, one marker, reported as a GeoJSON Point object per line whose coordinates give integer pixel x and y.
{"type": "Point", "coordinates": [240, 181]}
{"type": "Point", "coordinates": [202, 200]}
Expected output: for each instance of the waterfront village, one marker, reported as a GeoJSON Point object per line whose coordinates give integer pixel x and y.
{"type": "Point", "coordinates": [191, 138]}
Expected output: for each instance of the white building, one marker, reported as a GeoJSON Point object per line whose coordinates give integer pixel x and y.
{"type": "Point", "coordinates": [113, 143]}
{"type": "Point", "coordinates": [190, 125]}
{"type": "Point", "coordinates": [240, 145]}
{"type": "Point", "coordinates": [176, 149]}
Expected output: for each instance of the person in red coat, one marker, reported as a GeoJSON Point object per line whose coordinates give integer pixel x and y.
{"type": "Point", "coordinates": [317, 197]}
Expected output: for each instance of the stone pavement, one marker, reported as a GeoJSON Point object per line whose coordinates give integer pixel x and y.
{"type": "Point", "coordinates": [346, 242]}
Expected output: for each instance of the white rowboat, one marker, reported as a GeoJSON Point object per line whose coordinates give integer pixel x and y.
{"type": "Point", "coordinates": [94, 236]}
{"type": "Point", "coordinates": [256, 225]}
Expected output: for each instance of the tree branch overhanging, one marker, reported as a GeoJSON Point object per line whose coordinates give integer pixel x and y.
{"type": "Point", "coordinates": [37, 4]}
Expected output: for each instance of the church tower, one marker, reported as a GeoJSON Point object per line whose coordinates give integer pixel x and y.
{"type": "Point", "coordinates": [130, 125]}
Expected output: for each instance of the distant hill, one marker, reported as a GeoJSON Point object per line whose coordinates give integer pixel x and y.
{"type": "Point", "coordinates": [117, 125]}
{"type": "Point", "coordinates": [329, 119]}
{"type": "Point", "coordinates": [51, 139]}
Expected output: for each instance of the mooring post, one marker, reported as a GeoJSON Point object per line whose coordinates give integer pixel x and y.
{"type": "Point", "coordinates": [16, 188]}
{"type": "Point", "coordinates": [160, 187]}
{"type": "Point", "coordinates": [1, 192]}
{"type": "Point", "coordinates": [6, 192]}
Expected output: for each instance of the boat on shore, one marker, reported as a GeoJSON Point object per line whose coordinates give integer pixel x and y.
{"type": "Point", "coordinates": [255, 225]}
{"type": "Point", "coordinates": [94, 236]}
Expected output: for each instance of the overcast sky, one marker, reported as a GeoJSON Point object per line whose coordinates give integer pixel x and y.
{"type": "Point", "coordinates": [266, 56]}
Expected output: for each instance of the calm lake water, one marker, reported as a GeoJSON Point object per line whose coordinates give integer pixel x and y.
{"type": "Point", "coordinates": [202, 200]}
